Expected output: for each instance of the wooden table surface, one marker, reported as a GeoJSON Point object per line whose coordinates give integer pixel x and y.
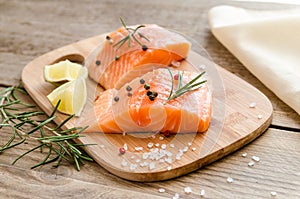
{"type": "Point", "coordinates": [30, 28]}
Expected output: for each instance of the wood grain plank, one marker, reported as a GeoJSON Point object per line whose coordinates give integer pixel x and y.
{"type": "Point", "coordinates": [18, 183]}
{"type": "Point", "coordinates": [277, 171]}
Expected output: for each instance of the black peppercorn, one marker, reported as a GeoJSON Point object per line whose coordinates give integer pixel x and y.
{"type": "Point", "coordinates": [149, 93]}
{"type": "Point", "coordinates": [144, 47]}
{"type": "Point", "coordinates": [116, 98]}
{"type": "Point", "coordinates": [142, 81]}
{"type": "Point", "coordinates": [128, 88]}
{"type": "Point", "coordinates": [98, 62]}
{"type": "Point", "coordinates": [147, 86]}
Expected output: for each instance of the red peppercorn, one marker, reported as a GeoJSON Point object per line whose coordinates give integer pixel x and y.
{"type": "Point", "coordinates": [176, 77]}
{"type": "Point", "coordinates": [122, 150]}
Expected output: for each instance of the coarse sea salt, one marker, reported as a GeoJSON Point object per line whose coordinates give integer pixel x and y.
{"type": "Point", "coordinates": [189, 144]}
{"type": "Point", "coordinates": [202, 192]}
{"type": "Point", "coordinates": [172, 145]}
{"type": "Point", "coordinates": [144, 164]}
{"type": "Point", "coordinates": [133, 167]}
{"type": "Point", "coordinates": [202, 66]}
{"type": "Point", "coordinates": [125, 147]}
{"type": "Point", "coordinates": [157, 144]}
{"type": "Point", "coordinates": [169, 168]}
{"type": "Point", "coordinates": [252, 105]}
{"type": "Point", "coordinates": [138, 148]}
{"type": "Point", "coordinates": [175, 63]}
{"type": "Point", "coordinates": [244, 155]}
{"type": "Point", "coordinates": [161, 138]}
{"type": "Point", "coordinates": [273, 193]}
{"type": "Point", "coordinates": [150, 145]}
{"type": "Point", "coordinates": [161, 190]}
{"type": "Point", "coordinates": [185, 149]}
{"type": "Point", "coordinates": [187, 190]}
{"type": "Point", "coordinates": [194, 149]}
{"type": "Point", "coordinates": [251, 163]}
{"type": "Point", "coordinates": [255, 158]}
{"type": "Point", "coordinates": [124, 163]}
{"type": "Point", "coordinates": [259, 116]}
{"type": "Point", "coordinates": [163, 146]}
{"type": "Point", "coordinates": [229, 179]}
{"type": "Point", "coordinates": [176, 196]}
{"type": "Point", "coordinates": [152, 166]}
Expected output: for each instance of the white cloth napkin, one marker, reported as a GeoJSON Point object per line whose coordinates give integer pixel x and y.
{"type": "Point", "coordinates": [267, 43]}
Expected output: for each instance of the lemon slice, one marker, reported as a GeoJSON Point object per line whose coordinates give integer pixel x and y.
{"type": "Point", "coordinates": [64, 71]}
{"type": "Point", "coordinates": [73, 96]}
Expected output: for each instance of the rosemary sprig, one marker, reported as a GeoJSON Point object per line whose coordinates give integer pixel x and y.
{"type": "Point", "coordinates": [131, 35]}
{"type": "Point", "coordinates": [24, 127]}
{"type": "Point", "coordinates": [188, 87]}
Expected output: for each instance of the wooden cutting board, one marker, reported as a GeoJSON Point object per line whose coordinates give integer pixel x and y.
{"type": "Point", "coordinates": [233, 124]}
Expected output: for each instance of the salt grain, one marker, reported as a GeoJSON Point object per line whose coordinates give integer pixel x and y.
{"type": "Point", "coordinates": [189, 144]}
{"type": "Point", "coordinates": [132, 157]}
{"type": "Point", "coordinates": [244, 155]}
{"type": "Point", "coordinates": [125, 147]}
{"type": "Point", "coordinates": [185, 149]}
{"type": "Point", "coordinates": [202, 67]}
{"type": "Point", "coordinates": [251, 163]}
{"type": "Point", "coordinates": [176, 196]}
{"type": "Point", "coordinates": [202, 192]}
{"type": "Point", "coordinates": [229, 179]}
{"type": "Point", "coordinates": [138, 148]}
{"type": "Point", "coordinates": [150, 145]}
{"type": "Point", "coordinates": [145, 156]}
{"type": "Point", "coordinates": [252, 105]}
{"type": "Point", "coordinates": [161, 138]}
{"type": "Point", "coordinates": [161, 190]}
{"type": "Point", "coordinates": [255, 158]}
{"type": "Point", "coordinates": [175, 63]}
{"type": "Point", "coordinates": [194, 149]}
{"type": "Point", "coordinates": [259, 116]}
{"type": "Point", "coordinates": [273, 193]}
{"type": "Point", "coordinates": [138, 160]}
{"type": "Point", "coordinates": [157, 144]}
{"type": "Point", "coordinates": [152, 166]}
{"type": "Point", "coordinates": [169, 168]}
{"type": "Point", "coordinates": [124, 163]}
{"type": "Point", "coordinates": [153, 136]}
{"type": "Point", "coordinates": [101, 145]}
{"type": "Point", "coordinates": [163, 146]}
{"type": "Point", "coordinates": [133, 167]}
{"type": "Point", "coordinates": [168, 160]}
{"type": "Point", "coordinates": [187, 190]}
{"type": "Point", "coordinates": [172, 145]}
{"type": "Point", "coordinates": [144, 164]}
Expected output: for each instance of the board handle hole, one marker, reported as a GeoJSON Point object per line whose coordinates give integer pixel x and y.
{"type": "Point", "coordinates": [76, 58]}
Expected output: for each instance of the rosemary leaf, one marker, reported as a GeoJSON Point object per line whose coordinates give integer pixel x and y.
{"type": "Point", "coordinates": [27, 152]}
{"type": "Point", "coordinates": [24, 127]}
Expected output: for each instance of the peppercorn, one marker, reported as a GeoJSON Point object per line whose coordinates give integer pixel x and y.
{"type": "Point", "coordinates": [128, 88]}
{"type": "Point", "coordinates": [147, 86]}
{"type": "Point", "coordinates": [116, 98]}
{"type": "Point", "coordinates": [98, 62]}
{"type": "Point", "coordinates": [142, 81]}
{"type": "Point", "coordinates": [144, 47]}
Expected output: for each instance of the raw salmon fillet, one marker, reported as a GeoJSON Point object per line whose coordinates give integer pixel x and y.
{"type": "Point", "coordinates": [163, 48]}
{"type": "Point", "coordinates": [130, 109]}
